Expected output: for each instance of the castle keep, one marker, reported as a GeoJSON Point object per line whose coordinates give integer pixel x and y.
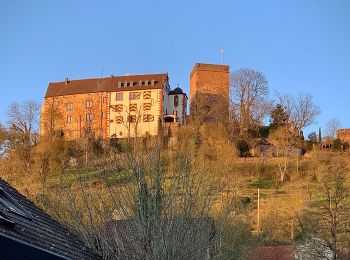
{"type": "Point", "coordinates": [209, 90]}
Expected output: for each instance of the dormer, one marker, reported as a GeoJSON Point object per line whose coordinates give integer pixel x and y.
{"type": "Point", "coordinates": [140, 83]}
{"type": "Point", "coordinates": [119, 84]}
{"type": "Point", "coordinates": [152, 82]}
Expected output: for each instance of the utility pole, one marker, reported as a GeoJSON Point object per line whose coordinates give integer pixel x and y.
{"type": "Point", "coordinates": [258, 215]}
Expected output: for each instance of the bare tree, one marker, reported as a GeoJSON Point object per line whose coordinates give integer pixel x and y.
{"type": "Point", "coordinates": [51, 119]}
{"type": "Point", "coordinates": [328, 219]}
{"type": "Point", "coordinates": [23, 118]}
{"type": "Point", "coordinates": [331, 128]}
{"type": "Point", "coordinates": [301, 110]}
{"type": "Point", "coordinates": [23, 121]}
{"type": "Point", "coordinates": [160, 214]}
{"type": "Point", "coordinates": [249, 96]}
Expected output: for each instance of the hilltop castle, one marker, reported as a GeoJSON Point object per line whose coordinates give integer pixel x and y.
{"type": "Point", "coordinates": [129, 106]}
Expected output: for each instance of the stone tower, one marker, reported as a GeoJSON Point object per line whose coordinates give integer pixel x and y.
{"type": "Point", "coordinates": [209, 91]}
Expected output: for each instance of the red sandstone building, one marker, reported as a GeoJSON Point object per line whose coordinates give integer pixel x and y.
{"type": "Point", "coordinates": [344, 135]}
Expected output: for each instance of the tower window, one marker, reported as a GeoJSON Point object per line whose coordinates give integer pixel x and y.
{"type": "Point", "coordinates": [176, 101]}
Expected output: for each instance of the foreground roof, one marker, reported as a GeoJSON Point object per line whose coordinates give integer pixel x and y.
{"type": "Point", "coordinates": [27, 232]}
{"type": "Point", "coordinates": [81, 86]}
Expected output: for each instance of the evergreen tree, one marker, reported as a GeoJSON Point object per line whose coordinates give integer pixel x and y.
{"type": "Point", "coordinates": [279, 117]}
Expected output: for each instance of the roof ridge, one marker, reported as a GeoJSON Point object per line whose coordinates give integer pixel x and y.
{"type": "Point", "coordinates": [113, 76]}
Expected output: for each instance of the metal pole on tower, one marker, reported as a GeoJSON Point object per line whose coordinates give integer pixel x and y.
{"type": "Point", "coordinates": [222, 53]}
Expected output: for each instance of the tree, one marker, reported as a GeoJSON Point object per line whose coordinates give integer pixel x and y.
{"type": "Point", "coordinates": [286, 143]}
{"type": "Point", "coordinates": [250, 104]}
{"type": "Point", "coordinates": [279, 117]}
{"type": "Point", "coordinates": [329, 218]}
{"type": "Point", "coordinates": [23, 122]}
{"type": "Point", "coordinates": [51, 119]}
{"type": "Point", "coordinates": [302, 111]}
{"type": "Point", "coordinates": [331, 128]}
{"type": "Point", "coordinates": [313, 137]}
{"type": "Point", "coordinates": [3, 140]}
{"type": "Point", "coordinates": [23, 118]}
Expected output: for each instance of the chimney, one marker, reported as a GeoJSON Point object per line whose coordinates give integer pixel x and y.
{"type": "Point", "coordinates": [66, 81]}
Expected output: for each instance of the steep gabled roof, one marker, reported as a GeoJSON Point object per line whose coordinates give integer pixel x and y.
{"type": "Point", "coordinates": [109, 84]}
{"type": "Point", "coordinates": [35, 234]}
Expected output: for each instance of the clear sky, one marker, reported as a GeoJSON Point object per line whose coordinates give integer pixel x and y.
{"type": "Point", "coordinates": [300, 46]}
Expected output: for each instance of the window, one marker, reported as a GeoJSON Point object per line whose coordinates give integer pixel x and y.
{"type": "Point", "coordinates": [69, 119]}
{"type": "Point", "coordinates": [119, 96]}
{"type": "Point", "coordinates": [147, 106]}
{"type": "Point", "coordinates": [133, 95]}
{"type": "Point", "coordinates": [69, 106]}
{"type": "Point", "coordinates": [89, 117]}
{"type": "Point", "coordinates": [103, 114]}
{"type": "Point", "coordinates": [147, 95]}
{"type": "Point", "coordinates": [132, 119]}
{"type": "Point", "coordinates": [104, 100]}
{"type": "Point", "coordinates": [119, 120]}
{"type": "Point", "coordinates": [8, 202]}
{"type": "Point", "coordinates": [89, 104]}
{"type": "Point", "coordinates": [121, 133]}
{"type": "Point", "coordinates": [148, 118]}
{"type": "Point", "coordinates": [176, 101]}
{"type": "Point", "coordinates": [133, 107]}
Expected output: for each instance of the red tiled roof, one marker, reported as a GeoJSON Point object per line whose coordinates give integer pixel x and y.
{"type": "Point", "coordinates": [103, 84]}
{"type": "Point", "coordinates": [277, 252]}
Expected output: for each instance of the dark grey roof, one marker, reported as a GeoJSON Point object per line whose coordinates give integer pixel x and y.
{"type": "Point", "coordinates": [176, 91]}
{"type": "Point", "coordinates": [37, 231]}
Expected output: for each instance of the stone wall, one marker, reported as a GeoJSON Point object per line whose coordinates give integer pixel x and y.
{"type": "Point", "coordinates": [73, 115]}
{"type": "Point", "coordinates": [210, 88]}
{"type": "Point", "coordinates": [344, 134]}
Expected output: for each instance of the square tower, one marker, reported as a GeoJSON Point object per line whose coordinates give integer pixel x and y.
{"type": "Point", "coordinates": [210, 91]}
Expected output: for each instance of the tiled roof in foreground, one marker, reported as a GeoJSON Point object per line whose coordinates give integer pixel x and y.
{"type": "Point", "coordinates": [36, 233]}
{"type": "Point", "coordinates": [110, 84]}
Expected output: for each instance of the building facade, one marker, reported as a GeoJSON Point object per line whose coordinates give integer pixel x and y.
{"type": "Point", "coordinates": [117, 106]}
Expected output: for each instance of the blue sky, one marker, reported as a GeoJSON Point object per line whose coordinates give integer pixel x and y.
{"type": "Point", "coordinates": [300, 46]}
